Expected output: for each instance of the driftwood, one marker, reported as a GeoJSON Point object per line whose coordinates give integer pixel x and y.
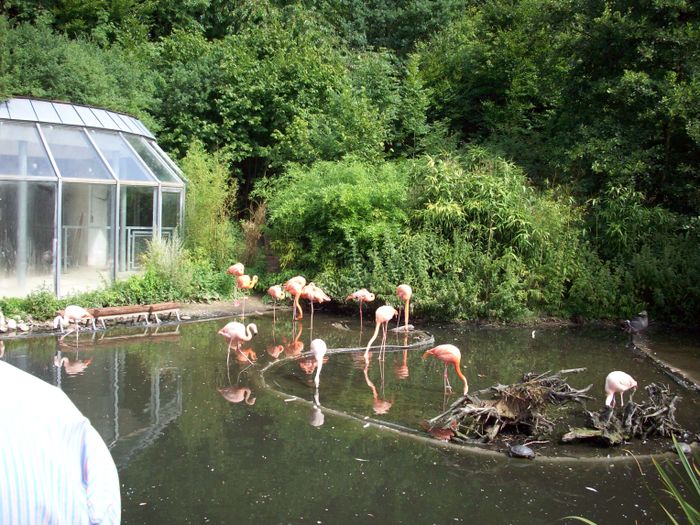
{"type": "Point", "coordinates": [655, 418]}
{"type": "Point", "coordinates": [519, 407]}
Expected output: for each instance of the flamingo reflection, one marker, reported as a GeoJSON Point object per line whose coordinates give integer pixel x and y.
{"type": "Point", "coordinates": [380, 406]}
{"type": "Point", "coordinates": [236, 394]}
{"type": "Point", "coordinates": [316, 417]}
{"type": "Point", "coordinates": [247, 355]}
{"type": "Point", "coordinates": [275, 351]}
{"type": "Point", "coordinates": [72, 368]}
{"type": "Point", "coordinates": [401, 367]}
{"type": "Point", "coordinates": [295, 347]}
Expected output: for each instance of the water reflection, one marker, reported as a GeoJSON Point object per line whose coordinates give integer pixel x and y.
{"type": "Point", "coordinates": [236, 394]}
{"type": "Point", "coordinates": [72, 367]}
{"type": "Point", "coordinates": [316, 417]}
{"type": "Point", "coordinates": [157, 401]}
{"type": "Point", "coordinates": [380, 405]}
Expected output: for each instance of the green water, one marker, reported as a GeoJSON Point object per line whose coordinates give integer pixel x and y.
{"type": "Point", "coordinates": [187, 455]}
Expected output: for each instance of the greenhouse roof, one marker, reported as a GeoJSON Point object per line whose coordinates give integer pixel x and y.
{"type": "Point", "coordinates": [33, 110]}
{"type": "Point", "coordinates": [43, 140]}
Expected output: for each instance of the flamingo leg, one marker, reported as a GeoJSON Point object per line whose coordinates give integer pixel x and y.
{"type": "Point", "coordinates": [360, 316]}
{"type": "Point", "coordinates": [382, 347]}
{"type": "Point", "coordinates": [448, 387]}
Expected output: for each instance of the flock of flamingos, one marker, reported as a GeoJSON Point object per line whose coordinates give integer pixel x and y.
{"type": "Point", "coordinates": [236, 333]}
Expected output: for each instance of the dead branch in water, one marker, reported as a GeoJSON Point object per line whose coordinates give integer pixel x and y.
{"type": "Point", "coordinates": [519, 407]}
{"type": "Point", "coordinates": [655, 418]}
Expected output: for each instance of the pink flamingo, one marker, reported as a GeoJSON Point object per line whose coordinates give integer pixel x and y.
{"type": "Point", "coordinates": [245, 282]}
{"type": "Point", "coordinates": [73, 314]}
{"type": "Point", "coordinates": [236, 269]}
{"type": "Point", "coordinates": [405, 292]}
{"type": "Point", "coordinates": [277, 294]}
{"type": "Point", "coordinates": [382, 316]}
{"type": "Point", "coordinates": [363, 296]}
{"type": "Point", "coordinates": [449, 354]}
{"type": "Point", "coordinates": [294, 286]}
{"type": "Point", "coordinates": [236, 394]}
{"type": "Point", "coordinates": [237, 332]}
{"type": "Point", "coordinates": [314, 294]}
{"type": "Point", "coordinates": [318, 349]}
{"type": "Point", "coordinates": [618, 382]}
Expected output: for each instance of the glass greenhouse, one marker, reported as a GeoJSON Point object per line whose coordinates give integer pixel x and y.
{"type": "Point", "coordinates": [82, 190]}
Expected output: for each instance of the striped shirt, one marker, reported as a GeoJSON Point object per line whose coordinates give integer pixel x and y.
{"type": "Point", "coordinates": [54, 466]}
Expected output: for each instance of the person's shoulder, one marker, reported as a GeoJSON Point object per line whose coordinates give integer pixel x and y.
{"type": "Point", "coordinates": [30, 393]}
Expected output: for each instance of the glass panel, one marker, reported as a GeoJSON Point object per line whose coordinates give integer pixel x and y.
{"type": "Point", "coordinates": [4, 112]}
{"type": "Point", "coordinates": [163, 155]}
{"type": "Point", "coordinates": [26, 237]}
{"type": "Point", "coordinates": [73, 153]}
{"type": "Point", "coordinates": [124, 163]}
{"type": "Point", "coordinates": [22, 153]}
{"type": "Point", "coordinates": [45, 111]}
{"type": "Point", "coordinates": [170, 214]}
{"type": "Point", "coordinates": [153, 161]}
{"type": "Point", "coordinates": [135, 225]}
{"type": "Point", "coordinates": [105, 119]}
{"type": "Point", "coordinates": [116, 117]}
{"type": "Point", "coordinates": [88, 117]}
{"type": "Point", "coordinates": [21, 109]}
{"type": "Point", "coordinates": [68, 114]}
{"type": "Point", "coordinates": [87, 238]}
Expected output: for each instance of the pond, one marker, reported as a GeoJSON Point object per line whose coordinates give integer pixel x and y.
{"type": "Point", "coordinates": [270, 454]}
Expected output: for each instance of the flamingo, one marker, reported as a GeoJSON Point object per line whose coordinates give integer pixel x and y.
{"type": "Point", "coordinates": [314, 294]}
{"type": "Point", "coordinates": [245, 282]}
{"type": "Point", "coordinates": [236, 269]}
{"type": "Point", "coordinates": [236, 394]}
{"type": "Point", "coordinates": [237, 332]}
{"type": "Point", "coordinates": [405, 292]}
{"type": "Point", "coordinates": [71, 367]}
{"type": "Point", "coordinates": [638, 323]}
{"type": "Point", "coordinates": [318, 349]}
{"type": "Point", "coordinates": [73, 314]}
{"type": "Point", "coordinates": [618, 382]}
{"type": "Point", "coordinates": [277, 294]}
{"type": "Point", "coordinates": [294, 286]}
{"type": "Point", "coordinates": [363, 296]}
{"type": "Point", "coordinates": [449, 354]}
{"type": "Point", "coordinates": [382, 316]}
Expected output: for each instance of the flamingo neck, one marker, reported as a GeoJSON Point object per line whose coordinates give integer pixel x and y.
{"type": "Point", "coordinates": [462, 377]}
{"type": "Point", "coordinates": [405, 313]}
{"type": "Point", "coordinates": [374, 336]}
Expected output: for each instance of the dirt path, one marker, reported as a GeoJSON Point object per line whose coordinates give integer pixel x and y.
{"type": "Point", "coordinates": [231, 308]}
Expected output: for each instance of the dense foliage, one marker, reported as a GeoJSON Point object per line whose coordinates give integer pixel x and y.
{"type": "Point", "coordinates": [510, 158]}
